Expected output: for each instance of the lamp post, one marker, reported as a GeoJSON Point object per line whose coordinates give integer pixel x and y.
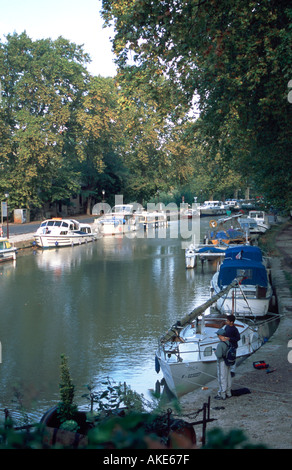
{"type": "Point", "coordinates": [7, 230]}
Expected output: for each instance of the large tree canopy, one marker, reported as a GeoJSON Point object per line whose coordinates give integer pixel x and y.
{"type": "Point", "coordinates": [42, 86]}
{"type": "Point", "coordinates": [233, 60]}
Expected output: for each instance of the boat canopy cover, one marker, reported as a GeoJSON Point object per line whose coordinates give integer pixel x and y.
{"type": "Point", "coordinates": [253, 272]}
{"type": "Point", "coordinates": [210, 249]}
{"type": "Point", "coordinates": [244, 252]}
{"type": "Point", "coordinates": [228, 234]}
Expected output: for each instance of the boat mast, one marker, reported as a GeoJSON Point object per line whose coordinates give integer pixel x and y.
{"type": "Point", "coordinates": [172, 332]}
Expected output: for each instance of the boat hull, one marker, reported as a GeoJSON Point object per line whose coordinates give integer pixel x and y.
{"type": "Point", "coordinates": [7, 255]}
{"type": "Point", "coordinates": [7, 250]}
{"type": "Point", "coordinates": [58, 241]}
{"type": "Point", "coordinates": [193, 364]}
{"type": "Point", "coordinates": [111, 229]}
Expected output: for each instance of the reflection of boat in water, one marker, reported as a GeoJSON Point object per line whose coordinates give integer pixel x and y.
{"type": "Point", "coordinates": [7, 250]}
{"type": "Point", "coordinates": [59, 232]}
{"type": "Point", "coordinates": [59, 261]}
{"type": "Point", "coordinates": [252, 295]}
{"type": "Point", "coordinates": [186, 354]}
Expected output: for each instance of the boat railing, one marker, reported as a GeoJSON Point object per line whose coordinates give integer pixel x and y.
{"type": "Point", "coordinates": [176, 351]}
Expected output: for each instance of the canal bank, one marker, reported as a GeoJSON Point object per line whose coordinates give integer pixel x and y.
{"type": "Point", "coordinates": [265, 414]}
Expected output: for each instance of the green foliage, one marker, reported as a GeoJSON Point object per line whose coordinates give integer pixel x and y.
{"type": "Point", "coordinates": [66, 408]}
{"type": "Point", "coordinates": [233, 60]}
{"type": "Point", "coordinates": [234, 439]}
{"type": "Point", "coordinates": [63, 132]}
{"type": "Point", "coordinates": [116, 396]}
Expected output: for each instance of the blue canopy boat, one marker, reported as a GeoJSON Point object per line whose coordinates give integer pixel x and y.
{"type": "Point", "coordinates": [252, 296]}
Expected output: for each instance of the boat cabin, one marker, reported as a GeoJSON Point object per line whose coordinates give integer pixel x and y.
{"type": "Point", "coordinates": [62, 226]}
{"type": "Point", "coordinates": [253, 273]}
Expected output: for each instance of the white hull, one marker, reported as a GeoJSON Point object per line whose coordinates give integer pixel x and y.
{"type": "Point", "coordinates": [7, 250]}
{"type": "Point", "coordinates": [59, 232]}
{"type": "Point", "coordinates": [121, 220]}
{"type": "Point", "coordinates": [110, 229]}
{"type": "Point", "coordinates": [210, 211]}
{"type": "Point", "coordinates": [7, 255]}
{"type": "Point", "coordinates": [213, 208]}
{"type": "Point", "coordinates": [55, 241]}
{"type": "Point", "coordinates": [189, 365]}
{"type": "Point", "coordinates": [244, 301]}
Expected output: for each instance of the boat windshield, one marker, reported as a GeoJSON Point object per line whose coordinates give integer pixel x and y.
{"type": "Point", "coordinates": [4, 245]}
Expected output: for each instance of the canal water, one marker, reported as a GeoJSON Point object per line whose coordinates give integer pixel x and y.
{"type": "Point", "coordinates": [104, 305]}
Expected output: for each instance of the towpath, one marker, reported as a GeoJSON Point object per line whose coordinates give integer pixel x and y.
{"type": "Point", "coordinates": [265, 414]}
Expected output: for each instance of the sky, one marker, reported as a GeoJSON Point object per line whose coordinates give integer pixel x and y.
{"type": "Point", "coordinates": [79, 21]}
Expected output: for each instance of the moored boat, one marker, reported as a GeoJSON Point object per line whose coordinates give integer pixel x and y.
{"type": "Point", "coordinates": [122, 219]}
{"type": "Point", "coordinates": [58, 232]}
{"type": "Point", "coordinates": [213, 208]}
{"type": "Point", "coordinates": [186, 354]}
{"type": "Point", "coordinates": [7, 250]}
{"type": "Point", "coordinates": [202, 253]}
{"type": "Point", "coordinates": [251, 296]}
{"type": "Point", "coordinates": [151, 219]}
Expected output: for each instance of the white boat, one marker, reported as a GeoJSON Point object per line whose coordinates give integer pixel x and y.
{"type": "Point", "coordinates": [122, 219]}
{"type": "Point", "coordinates": [186, 354]}
{"type": "Point", "coordinates": [150, 220]}
{"type": "Point", "coordinates": [58, 232]}
{"type": "Point", "coordinates": [260, 218]}
{"type": "Point", "coordinates": [251, 226]}
{"type": "Point", "coordinates": [7, 250]}
{"type": "Point", "coordinates": [213, 208]}
{"type": "Point", "coordinates": [202, 253]}
{"type": "Point", "coordinates": [251, 296]}
{"type": "Point", "coordinates": [190, 213]}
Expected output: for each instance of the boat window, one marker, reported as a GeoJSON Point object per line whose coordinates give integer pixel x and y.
{"type": "Point", "coordinates": [243, 339]}
{"type": "Point", "coordinates": [50, 223]}
{"type": "Point", "coordinates": [1, 245]}
{"type": "Point", "coordinates": [247, 273]}
{"type": "Point", "coordinates": [43, 223]}
{"type": "Point", "coordinates": [208, 351]}
{"type": "Point", "coordinates": [58, 223]}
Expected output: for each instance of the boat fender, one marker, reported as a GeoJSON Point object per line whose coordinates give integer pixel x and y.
{"type": "Point", "coordinates": [157, 365]}
{"type": "Point", "coordinates": [56, 243]}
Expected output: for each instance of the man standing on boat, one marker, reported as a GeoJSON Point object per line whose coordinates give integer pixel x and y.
{"type": "Point", "coordinates": [223, 371]}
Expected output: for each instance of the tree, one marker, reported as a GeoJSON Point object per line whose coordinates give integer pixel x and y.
{"type": "Point", "coordinates": [42, 86]}
{"type": "Point", "coordinates": [233, 59]}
